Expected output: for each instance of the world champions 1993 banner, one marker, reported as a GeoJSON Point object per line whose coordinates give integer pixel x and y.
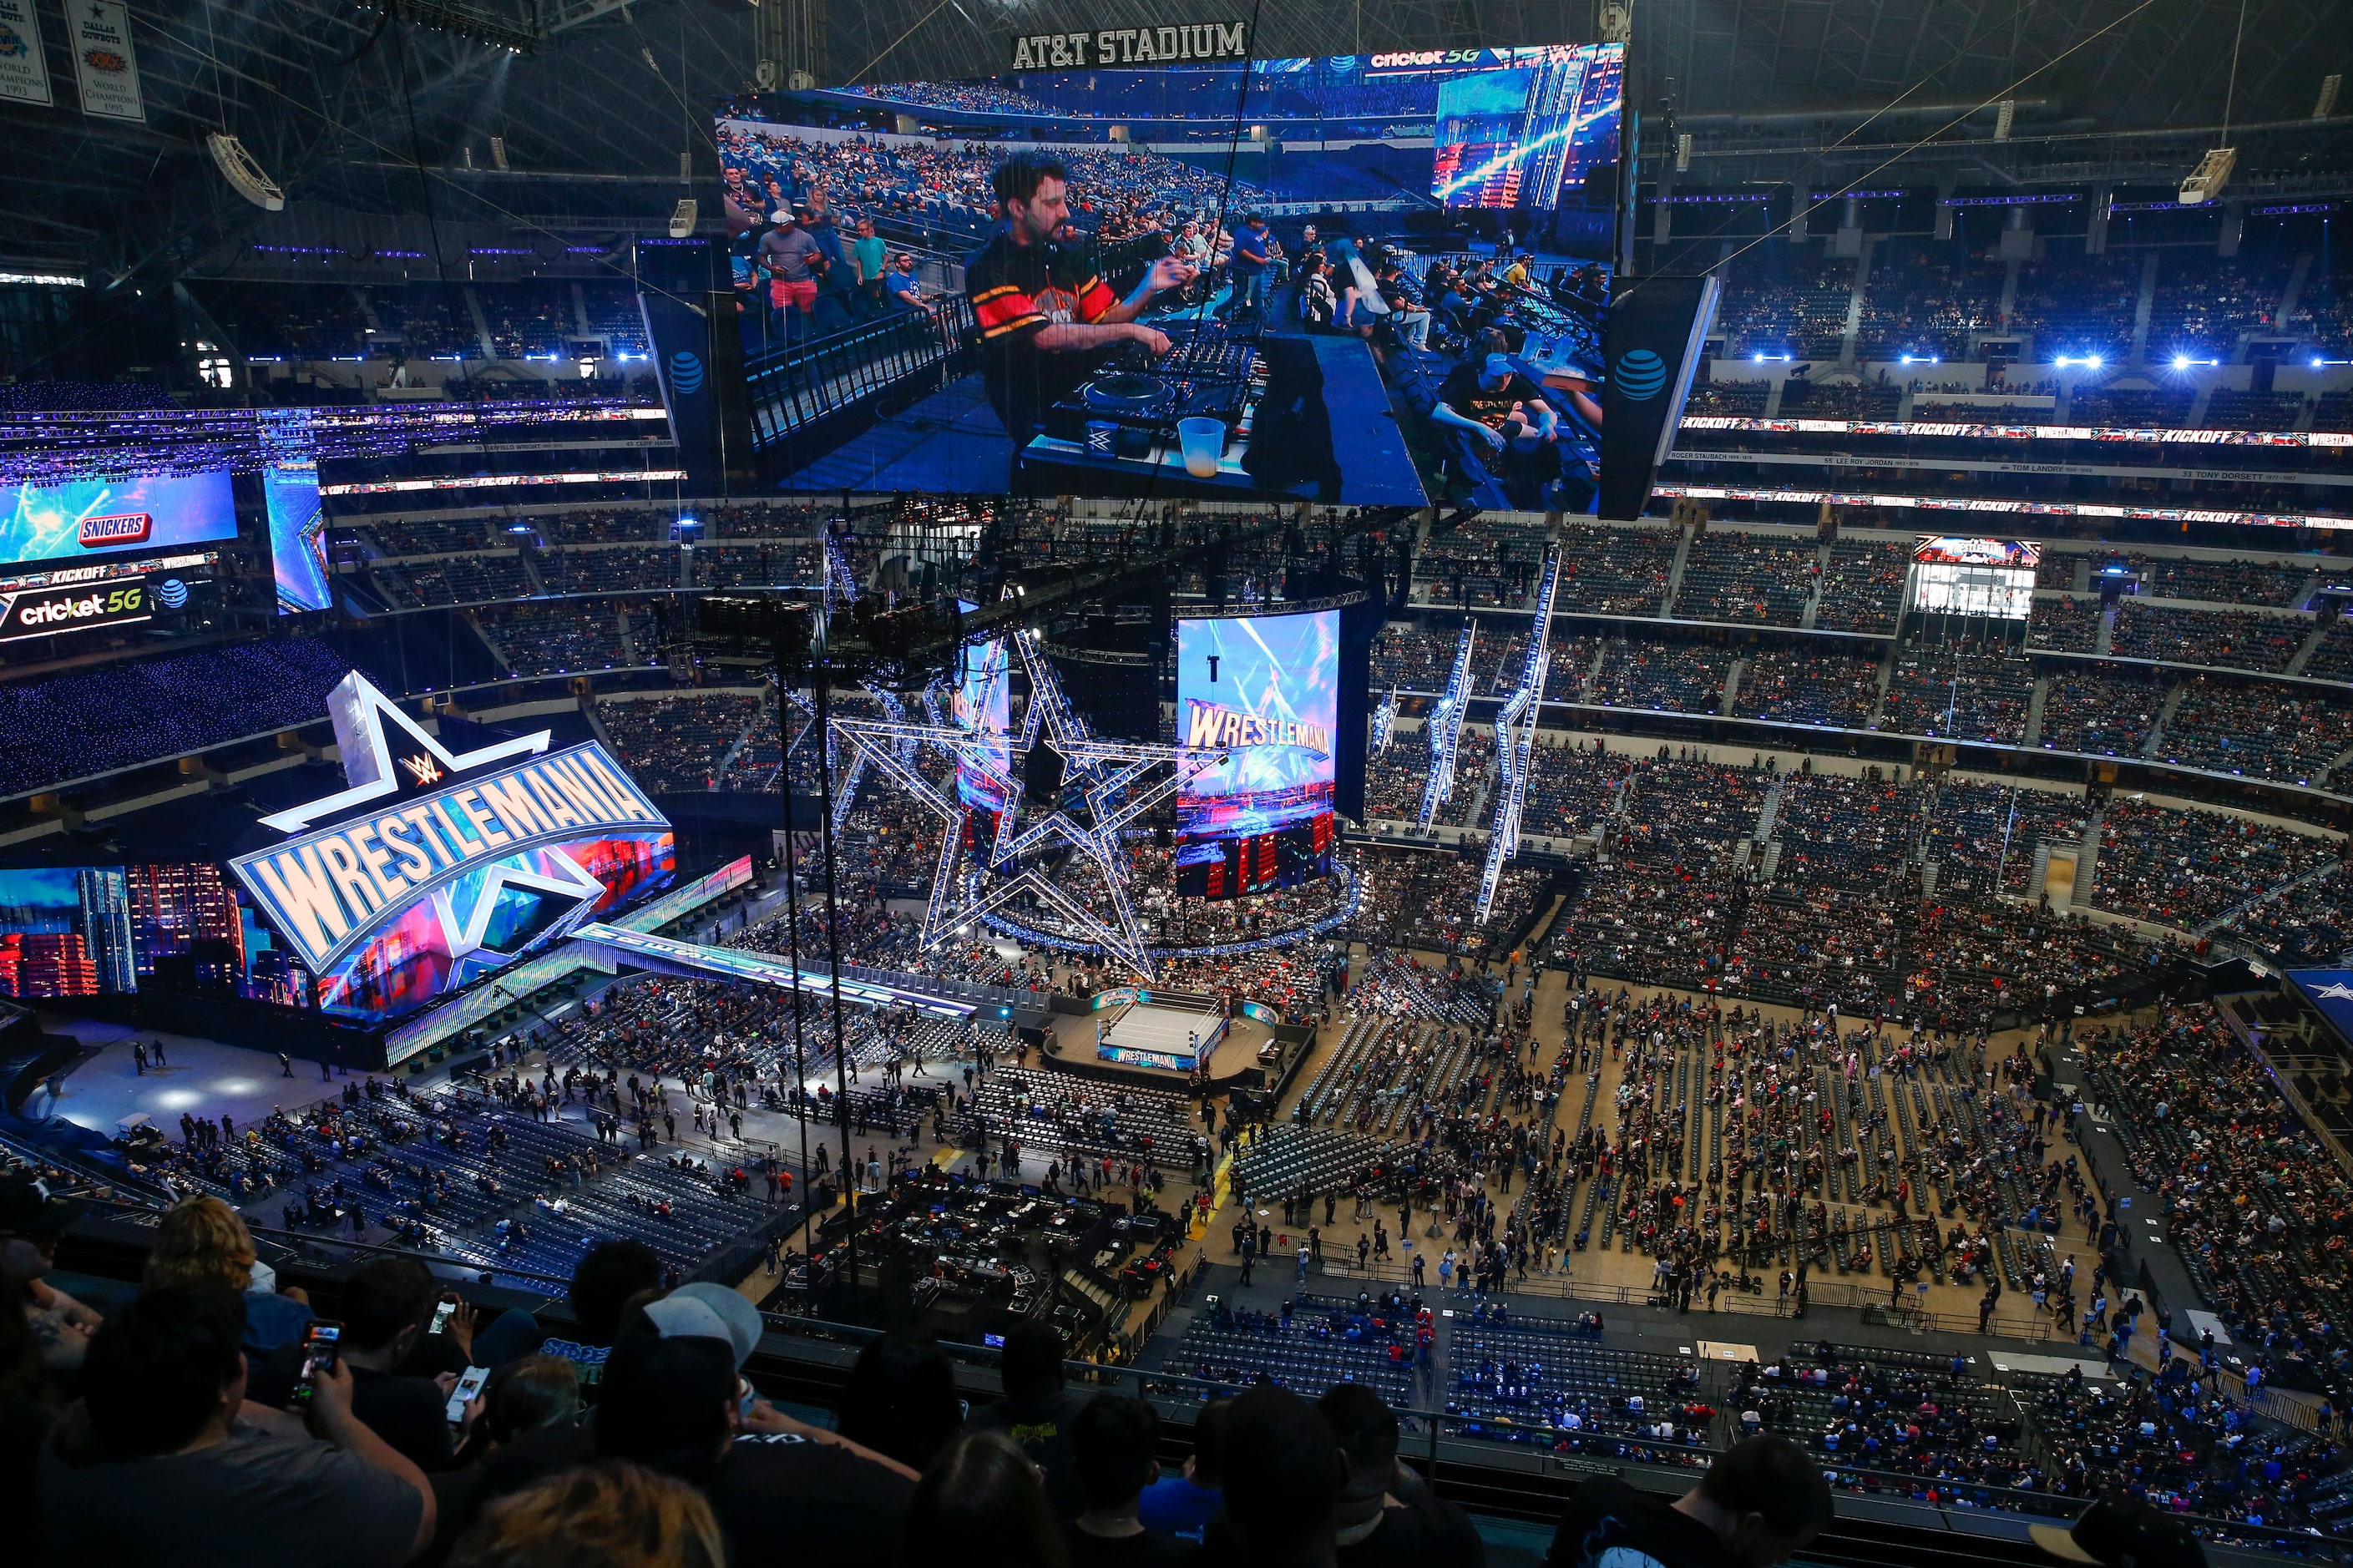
{"type": "Point", "coordinates": [434, 867]}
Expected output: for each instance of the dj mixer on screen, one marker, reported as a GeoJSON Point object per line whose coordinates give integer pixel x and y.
{"type": "Point", "coordinates": [1233, 382]}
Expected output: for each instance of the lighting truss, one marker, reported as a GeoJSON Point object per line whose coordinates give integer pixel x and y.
{"type": "Point", "coordinates": [1515, 739]}
{"type": "Point", "coordinates": [58, 446]}
{"type": "Point", "coordinates": [1445, 726]}
{"type": "Point", "coordinates": [517, 34]}
{"type": "Point", "coordinates": [846, 798]}
{"type": "Point", "coordinates": [1384, 722]}
{"type": "Point", "coordinates": [1120, 782]}
{"type": "Point", "coordinates": [840, 581]}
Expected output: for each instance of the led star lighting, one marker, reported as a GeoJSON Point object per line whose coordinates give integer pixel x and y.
{"type": "Point", "coordinates": [1515, 740]}
{"type": "Point", "coordinates": [1445, 728]}
{"type": "Point", "coordinates": [361, 713]}
{"type": "Point", "coordinates": [1107, 787]}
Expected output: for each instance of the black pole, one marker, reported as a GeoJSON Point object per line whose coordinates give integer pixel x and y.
{"type": "Point", "coordinates": [793, 952]}
{"type": "Point", "coordinates": [821, 677]}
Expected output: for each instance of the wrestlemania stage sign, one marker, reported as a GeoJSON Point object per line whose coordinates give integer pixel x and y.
{"type": "Point", "coordinates": [435, 867]}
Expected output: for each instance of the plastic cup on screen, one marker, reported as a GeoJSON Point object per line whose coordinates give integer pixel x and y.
{"type": "Point", "coordinates": [1203, 441]}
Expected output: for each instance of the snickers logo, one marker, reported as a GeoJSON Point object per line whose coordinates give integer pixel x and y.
{"type": "Point", "coordinates": [118, 528]}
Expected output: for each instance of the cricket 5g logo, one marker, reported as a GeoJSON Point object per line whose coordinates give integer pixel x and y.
{"type": "Point", "coordinates": [35, 612]}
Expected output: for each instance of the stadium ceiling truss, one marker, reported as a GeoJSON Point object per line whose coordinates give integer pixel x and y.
{"type": "Point", "coordinates": [364, 114]}
{"type": "Point", "coordinates": [1119, 781]}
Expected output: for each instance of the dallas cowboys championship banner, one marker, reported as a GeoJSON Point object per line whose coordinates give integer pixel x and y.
{"type": "Point", "coordinates": [434, 867]}
{"type": "Point", "coordinates": [24, 60]}
{"type": "Point", "coordinates": [1657, 327]}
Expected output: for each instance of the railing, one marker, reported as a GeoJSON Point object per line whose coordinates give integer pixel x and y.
{"type": "Point", "coordinates": [1823, 1293]}
{"type": "Point", "coordinates": [794, 386]}
{"type": "Point", "coordinates": [1484, 1444]}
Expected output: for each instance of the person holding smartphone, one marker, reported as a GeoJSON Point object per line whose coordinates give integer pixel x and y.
{"type": "Point", "coordinates": [165, 1460]}
{"type": "Point", "coordinates": [387, 1305]}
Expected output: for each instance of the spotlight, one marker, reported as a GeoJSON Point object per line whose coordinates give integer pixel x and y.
{"type": "Point", "coordinates": [682, 216]}
{"type": "Point", "coordinates": [2182, 361]}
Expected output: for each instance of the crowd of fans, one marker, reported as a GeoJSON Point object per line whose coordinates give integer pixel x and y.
{"type": "Point", "coordinates": [1802, 685]}
{"type": "Point", "coordinates": [2103, 714]}
{"type": "Point", "coordinates": [2256, 1204]}
{"type": "Point", "coordinates": [1959, 692]}
{"type": "Point", "coordinates": [943, 186]}
{"type": "Point", "coordinates": [52, 729]}
{"type": "Point", "coordinates": [1764, 578]}
{"type": "Point", "coordinates": [1863, 589]}
{"type": "Point", "coordinates": [1673, 678]}
{"type": "Point", "coordinates": [2289, 733]}
{"type": "Point", "coordinates": [2189, 869]}
{"type": "Point", "coordinates": [677, 744]}
{"type": "Point", "coordinates": [2242, 640]}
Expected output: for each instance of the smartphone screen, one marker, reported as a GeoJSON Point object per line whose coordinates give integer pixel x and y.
{"type": "Point", "coordinates": [441, 1314]}
{"type": "Point", "coordinates": [319, 1342]}
{"type": "Point", "coordinates": [469, 1383]}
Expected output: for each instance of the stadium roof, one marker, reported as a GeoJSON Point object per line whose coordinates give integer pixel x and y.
{"type": "Point", "coordinates": [355, 110]}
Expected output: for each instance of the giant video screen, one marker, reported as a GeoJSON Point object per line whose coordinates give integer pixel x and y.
{"type": "Point", "coordinates": [84, 518]}
{"type": "Point", "coordinates": [100, 931]}
{"type": "Point", "coordinates": [1524, 135]}
{"type": "Point", "coordinates": [298, 537]}
{"type": "Point", "coordinates": [982, 705]}
{"type": "Point", "coordinates": [1266, 689]}
{"type": "Point", "coordinates": [1991, 579]}
{"type": "Point", "coordinates": [1214, 281]}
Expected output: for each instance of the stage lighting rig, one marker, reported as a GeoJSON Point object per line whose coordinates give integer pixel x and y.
{"type": "Point", "coordinates": [517, 32]}
{"type": "Point", "coordinates": [237, 167]}
{"type": "Point", "coordinates": [2214, 172]}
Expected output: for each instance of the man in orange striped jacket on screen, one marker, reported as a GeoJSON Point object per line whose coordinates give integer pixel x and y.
{"type": "Point", "coordinates": [1046, 319]}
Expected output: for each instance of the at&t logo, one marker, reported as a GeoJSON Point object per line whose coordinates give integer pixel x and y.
{"type": "Point", "coordinates": [1641, 373]}
{"type": "Point", "coordinates": [685, 374]}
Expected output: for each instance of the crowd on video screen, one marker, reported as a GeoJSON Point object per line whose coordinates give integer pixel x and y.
{"type": "Point", "coordinates": [1109, 290]}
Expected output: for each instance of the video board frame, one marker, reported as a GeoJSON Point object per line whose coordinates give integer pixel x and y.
{"type": "Point", "coordinates": [1119, 329]}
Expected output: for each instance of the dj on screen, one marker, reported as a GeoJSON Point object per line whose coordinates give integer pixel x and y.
{"type": "Point", "coordinates": [1045, 317]}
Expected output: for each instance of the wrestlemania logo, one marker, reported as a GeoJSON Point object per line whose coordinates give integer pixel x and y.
{"type": "Point", "coordinates": [434, 866]}
{"type": "Point", "coordinates": [1211, 725]}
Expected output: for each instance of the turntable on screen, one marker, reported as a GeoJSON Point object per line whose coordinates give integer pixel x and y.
{"type": "Point", "coordinates": [1225, 410]}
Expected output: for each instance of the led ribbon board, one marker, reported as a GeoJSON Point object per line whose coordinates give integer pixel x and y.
{"type": "Point", "coordinates": [434, 866]}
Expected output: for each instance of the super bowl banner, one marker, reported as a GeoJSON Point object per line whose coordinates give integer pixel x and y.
{"type": "Point", "coordinates": [24, 63]}
{"type": "Point", "coordinates": [435, 867]}
{"type": "Point", "coordinates": [105, 62]}
{"type": "Point", "coordinates": [1656, 328]}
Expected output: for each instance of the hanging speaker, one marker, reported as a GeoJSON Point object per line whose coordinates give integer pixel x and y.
{"type": "Point", "coordinates": [682, 216]}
